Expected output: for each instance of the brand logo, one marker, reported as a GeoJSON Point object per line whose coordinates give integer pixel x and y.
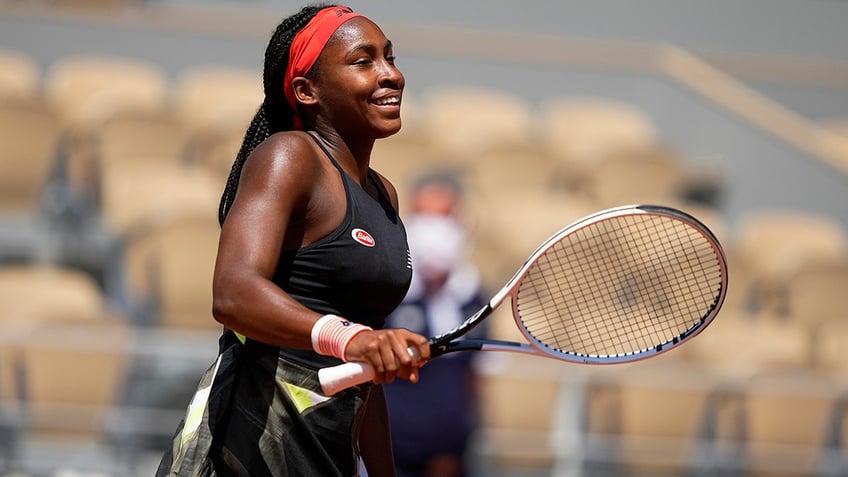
{"type": "Point", "coordinates": [362, 237]}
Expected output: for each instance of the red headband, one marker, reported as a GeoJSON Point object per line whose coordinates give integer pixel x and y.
{"type": "Point", "coordinates": [308, 44]}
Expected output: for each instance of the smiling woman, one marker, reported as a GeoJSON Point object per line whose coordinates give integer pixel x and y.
{"type": "Point", "coordinates": [312, 258]}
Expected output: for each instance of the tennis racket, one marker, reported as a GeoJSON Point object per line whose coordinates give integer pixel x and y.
{"type": "Point", "coordinates": [620, 285]}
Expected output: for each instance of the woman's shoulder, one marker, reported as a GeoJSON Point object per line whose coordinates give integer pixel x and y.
{"type": "Point", "coordinates": [285, 150]}
{"type": "Point", "coordinates": [286, 158]}
{"type": "Point", "coordinates": [291, 144]}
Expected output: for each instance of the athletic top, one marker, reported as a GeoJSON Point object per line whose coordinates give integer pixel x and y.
{"type": "Point", "coordinates": [360, 271]}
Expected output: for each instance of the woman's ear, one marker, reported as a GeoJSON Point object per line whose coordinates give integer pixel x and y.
{"type": "Point", "coordinates": [303, 91]}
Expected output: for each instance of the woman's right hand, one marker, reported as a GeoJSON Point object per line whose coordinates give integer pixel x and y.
{"type": "Point", "coordinates": [388, 351]}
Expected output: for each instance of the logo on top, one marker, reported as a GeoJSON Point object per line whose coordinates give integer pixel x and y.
{"type": "Point", "coordinates": [363, 237]}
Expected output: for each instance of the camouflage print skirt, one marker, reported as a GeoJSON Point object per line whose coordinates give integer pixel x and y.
{"type": "Point", "coordinates": [256, 414]}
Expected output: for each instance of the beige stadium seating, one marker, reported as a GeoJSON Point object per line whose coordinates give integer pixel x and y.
{"type": "Point", "coordinates": [519, 403]}
{"type": "Point", "coordinates": [466, 120]}
{"type": "Point", "coordinates": [21, 78]}
{"type": "Point", "coordinates": [87, 89]}
{"type": "Point", "coordinates": [581, 130]}
{"type": "Point", "coordinates": [134, 195]}
{"type": "Point", "coordinates": [774, 244]}
{"type": "Point", "coordinates": [74, 371]}
{"type": "Point", "coordinates": [169, 264]}
{"type": "Point", "coordinates": [33, 294]}
{"type": "Point", "coordinates": [789, 418]}
{"type": "Point", "coordinates": [142, 136]}
{"type": "Point", "coordinates": [653, 174]}
{"type": "Point", "coordinates": [661, 416]}
{"type": "Point", "coordinates": [30, 137]}
{"type": "Point", "coordinates": [211, 99]}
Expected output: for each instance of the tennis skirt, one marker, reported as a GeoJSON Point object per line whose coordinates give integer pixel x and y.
{"type": "Point", "coordinates": [257, 414]}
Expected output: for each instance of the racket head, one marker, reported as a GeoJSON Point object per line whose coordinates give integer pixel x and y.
{"type": "Point", "coordinates": [620, 285]}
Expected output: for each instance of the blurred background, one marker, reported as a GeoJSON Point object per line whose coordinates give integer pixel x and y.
{"type": "Point", "coordinates": [119, 120]}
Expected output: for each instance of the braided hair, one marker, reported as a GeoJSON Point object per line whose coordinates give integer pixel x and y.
{"type": "Point", "coordinates": [275, 114]}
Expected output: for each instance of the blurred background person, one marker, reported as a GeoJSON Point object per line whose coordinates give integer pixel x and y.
{"type": "Point", "coordinates": [433, 421]}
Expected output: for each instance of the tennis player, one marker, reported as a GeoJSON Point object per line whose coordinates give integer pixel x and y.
{"type": "Point", "coordinates": [312, 258]}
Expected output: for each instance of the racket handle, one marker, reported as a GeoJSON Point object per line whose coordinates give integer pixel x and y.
{"type": "Point", "coordinates": [343, 376]}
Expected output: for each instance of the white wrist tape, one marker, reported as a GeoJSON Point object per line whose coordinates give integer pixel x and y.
{"type": "Point", "coordinates": [332, 334]}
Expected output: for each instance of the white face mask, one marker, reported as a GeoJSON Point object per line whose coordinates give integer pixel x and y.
{"type": "Point", "coordinates": [436, 242]}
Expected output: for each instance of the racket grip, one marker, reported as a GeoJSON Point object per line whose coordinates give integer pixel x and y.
{"type": "Point", "coordinates": [343, 376]}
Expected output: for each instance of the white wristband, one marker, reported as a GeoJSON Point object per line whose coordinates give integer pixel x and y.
{"type": "Point", "coordinates": [331, 335]}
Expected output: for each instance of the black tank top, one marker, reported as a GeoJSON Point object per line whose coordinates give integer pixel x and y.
{"type": "Point", "coordinates": [360, 271]}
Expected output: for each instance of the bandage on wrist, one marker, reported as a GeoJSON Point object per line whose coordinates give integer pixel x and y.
{"type": "Point", "coordinates": [332, 334]}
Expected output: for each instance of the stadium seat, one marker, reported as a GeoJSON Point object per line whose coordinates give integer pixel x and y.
{"type": "Point", "coordinates": [87, 88]}
{"type": "Point", "coordinates": [511, 172]}
{"type": "Point", "coordinates": [817, 292]}
{"type": "Point", "coordinates": [776, 243]}
{"type": "Point", "coordinates": [211, 99]}
{"type": "Point", "coordinates": [580, 130]}
{"type": "Point", "coordinates": [21, 77]}
{"type": "Point", "coordinates": [829, 342]}
{"type": "Point", "coordinates": [789, 420]}
{"type": "Point", "coordinates": [74, 370]}
{"type": "Point", "coordinates": [31, 294]}
{"type": "Point", "coordinates": [514, 433]}
{"type": "Point", "coordinates": [744, 343]}
{"type": "Point", "coordinates": [30, 136]}
{"type": "Point", "coordinates": [142, 136]}
{"type": "Point", "coordinates": [466, 120]}
{"type": "Point", "coordinates": [134, 195]}
{"type": "Point", "coordinates": [661, 416]}
{"type": "Point", "coordinates": [169, 265]}
{"type": "Point", "coordinates": [653, 174]}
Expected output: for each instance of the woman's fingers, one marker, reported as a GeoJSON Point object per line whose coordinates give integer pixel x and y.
{"type": "Point", "coordinates": [392, 352]}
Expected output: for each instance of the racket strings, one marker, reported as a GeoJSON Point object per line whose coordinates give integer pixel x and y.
{"type": "Point", "coordinates": [620, 286]}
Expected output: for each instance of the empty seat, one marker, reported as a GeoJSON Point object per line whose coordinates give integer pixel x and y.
{"type": "Point", "coordinates": [660, 417]}
{"type": "Point", "coordinates": [34, 294]}
{"type": "Point", "coordinates": [29, 143]}
{"type": "Point", "coordinates": [137, 194]}
{"type": "Point", "coordinates": [519, 405]}
{"type": "Point", "coordinates": [21, 77]}
{"type": "Point", "coordinates": [74, 371]}
{"type": "Point", "coordinates": [580, 130]}
{"type": "Point", "coordinates": [215, 98]}
{"type": "Point", "coordinates": [87, 89]}
{"type": "Point", "coordinates": [744, 343]}
{"type": "Point", "coordinates": [169, 267]}
{"type": "Point", "coordinates": [788, 420]}
{"type": "Point", "coordinates": [818, 292]}
{"type": "Point", "coordinates": [142, 136]}
{"type": "Point", "coordinates": [217, 152]}
{"type": "Point", "coordinates": [467, 119]}
{"type": "Point", "coordinates": [511, 171]}
{"type": "Point", "coordinates": [653, 174]}
{"type": "Point", "coordinates": [829, 345]}
{"type": "Point", "coordinates": [776, 243]}
{"type": "Point", "coordinates": [44, 292]}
